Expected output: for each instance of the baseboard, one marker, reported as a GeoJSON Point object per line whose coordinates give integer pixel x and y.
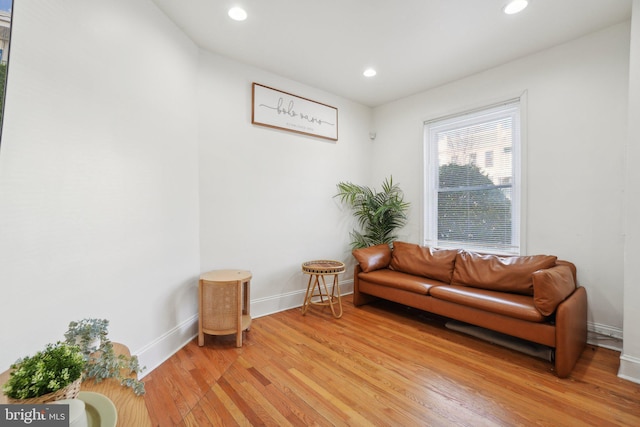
{"type": "Point", "coordinates": [274, 304]}
{"type": "Point", "coordinates": [604, 336]}
{"type": "Point", "coordinates": [629, 368]}
{"type": "Point", "coordinates": [155, 353]}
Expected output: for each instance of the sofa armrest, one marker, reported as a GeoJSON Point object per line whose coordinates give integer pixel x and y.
{"type": "Point", "coordinates": [373, 258]}
{"type": "Point", "coordinates": [571, 331]}
{"type": "Point", "coordinates": [551, 286]}
{"type": "Point", "coordinates": [358, 297]}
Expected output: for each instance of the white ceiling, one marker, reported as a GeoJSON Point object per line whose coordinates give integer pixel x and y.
{"type": "Point", "coordinates": [413, 44]}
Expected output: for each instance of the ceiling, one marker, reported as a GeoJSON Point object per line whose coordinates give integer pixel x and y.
{"type": "Point", "coordinates": [413, 44]}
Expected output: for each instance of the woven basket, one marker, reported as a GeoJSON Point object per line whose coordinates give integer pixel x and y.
{"type": "Point", "coordinates": [69, 392]}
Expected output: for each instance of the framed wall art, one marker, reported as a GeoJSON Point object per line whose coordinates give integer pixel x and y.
{"type": "Point", "coordinates": [281, 110]}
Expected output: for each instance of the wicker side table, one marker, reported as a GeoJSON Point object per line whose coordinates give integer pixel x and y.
{"type": "Point", "coordinates": [224, 304]}
{"type": "Point", "coordinates": [317, 286]}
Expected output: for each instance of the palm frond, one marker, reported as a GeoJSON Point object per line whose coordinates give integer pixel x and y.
{"type": "Point", "coordinates": [378, 214]}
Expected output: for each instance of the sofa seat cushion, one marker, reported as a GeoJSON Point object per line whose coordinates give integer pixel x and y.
{"type": "Point", "coordinates": [499, 273]}
{"type": "Point", "coordinates": [507, 304]}
{"type": "Point", "coordinates": [423, 261]}
{"type": "Point", "coordinates": [397, 279]}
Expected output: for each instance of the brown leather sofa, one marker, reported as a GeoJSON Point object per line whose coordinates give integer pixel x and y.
{"type": "Point", "coordinates": [534, 298]}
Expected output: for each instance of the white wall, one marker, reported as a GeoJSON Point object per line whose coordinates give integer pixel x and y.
{"type": "Point", "coordinates": [101, 175]}
{"type": "Point", "coordinates": [98, 176]}
{"type": "Point", "coordinates": [630, 359]}
{"type": "Point", "coordinates": [267, 195]}
{"type": "Point", "coordinates": [576, 115]}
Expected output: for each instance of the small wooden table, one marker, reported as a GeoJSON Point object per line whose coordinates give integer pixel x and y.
{"type": "Point", "coordinates": [131, 409]}
{"type": "Point", "coordinates": [224, 304]}
{"type": "Point", "coordinates": [317, 270]}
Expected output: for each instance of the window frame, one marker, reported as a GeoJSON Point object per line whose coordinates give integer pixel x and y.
{"type": "Point", "coordinates": [431, 174]}
{"type": "Point", "coordinates": [6, 52]}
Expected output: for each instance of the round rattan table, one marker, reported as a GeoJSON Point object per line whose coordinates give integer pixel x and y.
{"type": "Point", "coordinates": [317, 289]}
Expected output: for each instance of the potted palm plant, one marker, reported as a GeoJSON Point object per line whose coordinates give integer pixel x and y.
{"type": "Point", "coordinates": [379, 213]}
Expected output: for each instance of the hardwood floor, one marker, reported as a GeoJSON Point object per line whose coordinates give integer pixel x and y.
{"type": "Point", "coordinates": [384, 365]}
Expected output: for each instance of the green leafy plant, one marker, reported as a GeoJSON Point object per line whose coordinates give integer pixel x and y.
{"type": "Point", "coordinates": [379, 214]}
{"type": "Point", "coordinates": [91, 335]}
{"type": "Point", "coordinates": [47, 371]}
{"type": "Point", "coordinates": [88, 334]}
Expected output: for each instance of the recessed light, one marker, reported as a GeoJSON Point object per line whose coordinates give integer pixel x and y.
{"type": "Point", "coordinates": [515, 6]}
{"type": "Point", "coordinates": [237, 14]}
{"type": "Point", "coordinates": [369, 72]}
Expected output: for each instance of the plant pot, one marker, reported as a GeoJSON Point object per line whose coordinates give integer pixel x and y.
{"type": "Point", "coordinates": [91, 346]}
{"type": "Point", "coordinates": [69, 392]}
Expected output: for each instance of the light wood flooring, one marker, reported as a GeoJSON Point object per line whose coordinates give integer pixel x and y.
{"type": "Point", "coordinates": [383, 365]}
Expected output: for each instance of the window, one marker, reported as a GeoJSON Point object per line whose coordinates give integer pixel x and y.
{"type": "Point", "coordinates": [488, 159]}
{"type": "Point", "coordinates": [468, 206]}
{"type": "Point", "coordinates": [5, 38]}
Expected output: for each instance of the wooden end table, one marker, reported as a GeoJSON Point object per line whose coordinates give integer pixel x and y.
{"type": "Point", "coordinates": [224, 304]}
{"type": "Point", "coordinates": [317, 286]}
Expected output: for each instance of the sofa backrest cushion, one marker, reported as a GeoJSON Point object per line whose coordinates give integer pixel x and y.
{"type": "Point", "coordinates": [551, 287]}
{"type": "Point", "coordinates": [423, 261]}
{"type": "Point", "coordinates": [373, 258]}
{"type": "Point", "coordinates": [499, 273]}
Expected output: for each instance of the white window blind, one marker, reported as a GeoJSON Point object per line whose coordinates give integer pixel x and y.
{"type": "Point", "coordinates": [472, 180]}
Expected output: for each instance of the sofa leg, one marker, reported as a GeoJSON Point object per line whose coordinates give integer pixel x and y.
{"type": "Point", "coordinates": [361, 299]}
